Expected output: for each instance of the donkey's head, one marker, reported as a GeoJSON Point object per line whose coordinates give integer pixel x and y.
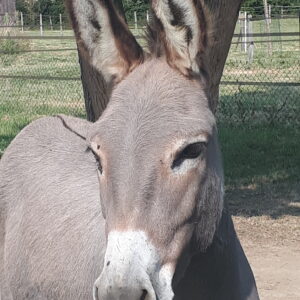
{"type": "Point", "coordinates": [156, 145]}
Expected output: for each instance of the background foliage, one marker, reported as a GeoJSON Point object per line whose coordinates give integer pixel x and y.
{"type": "Point", "coordinates": [255, 7]}
{"type": "Point", "coordinates": [45, 7]}
{"type": "Point", "coordinates": [140, 6]}
{"type": "Point", "coordinates": [56, 7]}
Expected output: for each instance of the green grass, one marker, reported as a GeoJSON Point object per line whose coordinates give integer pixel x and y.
{"type": "Point", "coordinates": [260, 154]}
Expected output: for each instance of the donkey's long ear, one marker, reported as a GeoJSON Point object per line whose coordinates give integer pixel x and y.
{"type": "Point", "coordinates": [178, 31]}
{"type": "Point", "coordinates": [104, 37]}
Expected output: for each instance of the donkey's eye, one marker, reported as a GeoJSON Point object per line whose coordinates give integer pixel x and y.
{"type": "Point", "coordinates": [191, 151]}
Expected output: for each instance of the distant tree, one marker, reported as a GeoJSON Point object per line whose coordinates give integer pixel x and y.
{"type": "Point", "coordinates": [45, 7]}
{"type": "Point", "coordinates": [57, 7]}
{"type": "Point", "coordinates": [255, 7]}
{"type": "Point", "coordinates": [22, 6]}
{"type": "Point", "coordinates": [140, 6]}
{"type": "Point", "coordinates": [49, 7]}
{"type": "Point", "coordinates": [42, 7]}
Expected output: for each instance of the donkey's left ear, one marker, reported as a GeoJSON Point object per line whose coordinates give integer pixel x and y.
{"type": "Point", "coordinates": [103, 36]}
{"type": "Point", "coordinates": [178, 32]}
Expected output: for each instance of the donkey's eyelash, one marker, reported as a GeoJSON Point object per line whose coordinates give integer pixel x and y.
{"type": "Point", "coordinates": [98, 160]}
{"type": "Point", "coordinates": [99, 165]}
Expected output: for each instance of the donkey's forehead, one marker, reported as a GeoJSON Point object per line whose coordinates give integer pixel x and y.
{"type": "Point", "coordinates": [154, 99]}
{"type": "Point", "coordinates": [155, 81]}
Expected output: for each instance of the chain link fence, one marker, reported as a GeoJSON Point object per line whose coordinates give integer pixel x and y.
{"type": "Point", "coordinates": [40, 75]}
{"type": "Point", "coordinates": [261, 80]}
{"type": "Point", "coordinates": [41, 82]}
{"type": "Point", "coordinates": [265, 92]}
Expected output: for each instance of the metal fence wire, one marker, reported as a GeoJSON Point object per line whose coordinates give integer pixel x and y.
{"type": "Point", "coordinates": [40, 75]}
{"type": "Point", "coordinates": [267, 92]}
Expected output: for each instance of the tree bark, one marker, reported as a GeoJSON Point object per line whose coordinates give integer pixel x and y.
{"type": "Point", "coordinates": [95, 91]}
{"type": "Point", "coordinates": [7, 6]}
{"type": "Point", "coordinates": [221, 17]}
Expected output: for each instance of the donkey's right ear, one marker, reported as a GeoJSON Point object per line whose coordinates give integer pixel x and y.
{"type": "Point", "coordinates": [104, 37]}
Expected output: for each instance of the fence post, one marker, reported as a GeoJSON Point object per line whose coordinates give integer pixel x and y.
{"type": "Point", "coordinates": [270, 10]}
{"type": "Point", "coordinates": [6, 19]}
{"type": "Point", "coordinates": [135, 21]}
{"type": "Point", "coordinates": [279, 29]}
{"type": "Point", "coordinates": [266, 11]}
{"type": "Point", "coordinates": [22, 22]}
{"type": "Point", "coordinates": [60, 24]}
{"type": "Point", "coordinates": [251, 40]}
{"type": "Point", "coordinates": [245, 31]}
{"type": "Point", "coordinates": [41, 24]}
{"type": "Point", "coordinates": [50, 21]}
{"type": "Point", "coordinates": [16, 20]}
{"type": "Point", "coordinates": [147, 16]}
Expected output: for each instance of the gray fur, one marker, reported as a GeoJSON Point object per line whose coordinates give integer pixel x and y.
{"type": "Point", "coordinates": [49, 202]}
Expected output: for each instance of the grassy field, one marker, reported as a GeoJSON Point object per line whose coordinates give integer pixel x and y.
{"type": "Point", "coordinates": [260, 155]}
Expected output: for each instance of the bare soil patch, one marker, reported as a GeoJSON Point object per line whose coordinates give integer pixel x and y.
{"type": "Point", "coordinates": [267, 220]}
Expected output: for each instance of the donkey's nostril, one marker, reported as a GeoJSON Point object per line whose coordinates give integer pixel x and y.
{"type": "Point", "coordinates": [144, 294]}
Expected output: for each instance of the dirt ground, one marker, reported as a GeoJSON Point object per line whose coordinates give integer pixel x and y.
{"type": "Point", "coordinates": [267, 220]}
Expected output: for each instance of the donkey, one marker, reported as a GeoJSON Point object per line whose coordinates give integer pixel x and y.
{"type": "Point", "coordinates": [129, 207]}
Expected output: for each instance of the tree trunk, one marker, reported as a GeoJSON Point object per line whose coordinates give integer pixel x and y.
{"type": "Point", "coordinates": [268, 21]}
{"type": "Point", "coordinates": [7, 7]}
{"type": "Point", "coordinates": [221, 17]}
{"type": "Point", "coordinates": [95, 91]}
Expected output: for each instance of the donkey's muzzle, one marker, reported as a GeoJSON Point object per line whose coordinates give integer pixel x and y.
{"type": "Point", "coordinates": [118, 292]}
{"type": "Point", "coordinates": [132, 270]}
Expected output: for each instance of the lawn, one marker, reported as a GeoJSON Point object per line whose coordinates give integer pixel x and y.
{"type": "Point", "coordinates": [260, 154]}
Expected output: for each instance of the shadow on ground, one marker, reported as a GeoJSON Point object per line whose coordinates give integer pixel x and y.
{"type": "Point", "coordinates": [262, 169]}
{"type": "Point", "coordinates": [274, 200]}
